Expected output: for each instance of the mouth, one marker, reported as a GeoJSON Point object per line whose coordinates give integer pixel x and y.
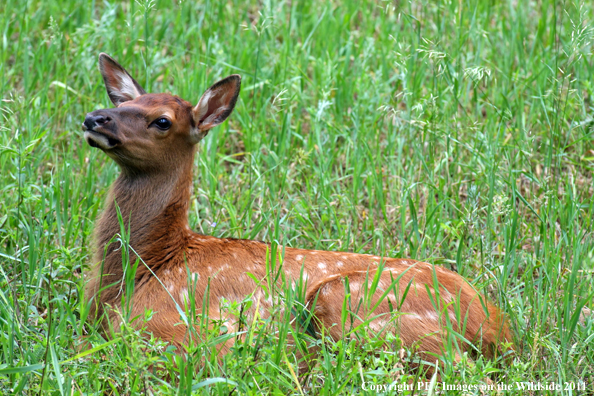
{"type": "Point", "coordinates": [100, 140]}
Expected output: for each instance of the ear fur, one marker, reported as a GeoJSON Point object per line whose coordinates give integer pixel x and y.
{"type": "Point", "coordinates": [214, 106]}
{"type": "Point", "coordinates": [121, 87]}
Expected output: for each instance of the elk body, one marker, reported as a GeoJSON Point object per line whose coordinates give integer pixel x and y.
{"type": "Point", "coordinates": [153, 137]}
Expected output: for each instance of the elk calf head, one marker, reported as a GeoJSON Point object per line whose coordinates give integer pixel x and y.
{"type": "Point", "coordinates": [150, 132]}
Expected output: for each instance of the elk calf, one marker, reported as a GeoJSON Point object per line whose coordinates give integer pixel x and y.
{"type": "Point", "coordinates": [153, 137]}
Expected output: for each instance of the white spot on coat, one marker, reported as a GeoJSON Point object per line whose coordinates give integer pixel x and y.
{"type": "Point", "coordinates": [378, 325]}
{"type": "Point", "coordinates": [431, 315]}
{"type": "Point", "coordinates": [453, 318]}
{"type": "Point", "coordinates": [447, 297]}
{"type": "Point", "coordinates": [413, 316]}
{"type": "Point", "coordinates": [183, 295]}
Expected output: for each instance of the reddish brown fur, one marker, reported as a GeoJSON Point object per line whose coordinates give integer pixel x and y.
{"type": "Point", "coordinates": [153, 193]}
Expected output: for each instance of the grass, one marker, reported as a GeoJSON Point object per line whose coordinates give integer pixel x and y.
{"type": "Point", "coordinates": [456, 132]}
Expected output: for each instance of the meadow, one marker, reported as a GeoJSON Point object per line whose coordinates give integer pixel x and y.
{"type": "Point", "coordinates": [456, 132]}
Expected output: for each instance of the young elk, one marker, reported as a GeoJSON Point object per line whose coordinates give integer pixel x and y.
{"type": "Point", "coordinates": [153, 138]}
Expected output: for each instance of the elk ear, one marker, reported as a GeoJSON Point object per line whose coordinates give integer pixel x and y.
{"type": "Point", "coordinates": [214, 106]}
{"type": "Point", "coordinates": [121, 87]}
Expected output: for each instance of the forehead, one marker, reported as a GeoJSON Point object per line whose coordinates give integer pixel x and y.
{"type": "Point", "coordinates": [160, 102]}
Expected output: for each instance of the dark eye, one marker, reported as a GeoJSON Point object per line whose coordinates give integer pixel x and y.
{"type": "Point", "coordinates": [162, 123]}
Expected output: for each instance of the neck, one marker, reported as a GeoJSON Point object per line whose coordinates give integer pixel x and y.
{"type": "Point", "coordinates": [154, 211]}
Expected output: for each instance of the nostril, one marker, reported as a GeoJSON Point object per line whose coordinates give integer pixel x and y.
{"type": "Point", "coordinates": [92, 121]}
{"type": "Point", "coordinates": [102, 120]}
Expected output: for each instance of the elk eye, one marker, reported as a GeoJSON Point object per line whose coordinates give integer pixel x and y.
{"type": "Point", "coordinates": [162, 123]}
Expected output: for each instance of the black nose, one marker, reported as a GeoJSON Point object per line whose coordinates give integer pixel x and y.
{"type": "Point", "coordinates": [93, 120]}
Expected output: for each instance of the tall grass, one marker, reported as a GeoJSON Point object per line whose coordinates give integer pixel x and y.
{"type": "Point", "coordinates": [456, 132]}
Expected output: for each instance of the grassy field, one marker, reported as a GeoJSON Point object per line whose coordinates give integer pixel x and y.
{"type": "Point", "coordinates": [455, 132]}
